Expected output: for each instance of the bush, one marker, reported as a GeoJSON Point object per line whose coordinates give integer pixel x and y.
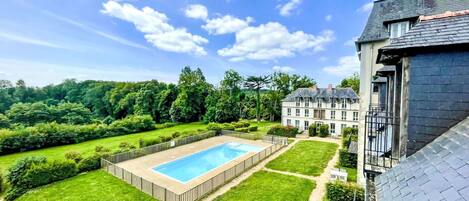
{"type": "Point", "coordinates": [53, 134]}
{"type": "Point", "coordinates": [46, 173]}
{"type": "Point", "coordinates": [14, 193]}
{"type": "Point", "coordinates": [175, 135]}
{"type": "Point", "coordinates": [347, 159]}
{"type": "Point", "coordinates": [339, 191]}
{"type": "Point", "coordinates": [324, 130]}
{"type": "Point", "coordinates": [16, 172]}
{"type": "Point", "coordinates": [215, 127]}
{"type": "Point", "coordinates": [244, 130]}
{"type": "Point", "coordinates": [125, 146]}
{"type": "Point", "coordinates": [149, 142]}
{"type": "Point", "coordinates": [285, 131]}
{"type": "Point", "coordinates": [313, 130]}
{"type": "Point", "coordinates": [349, 134]}
{"type": "Point", "coordinates": [252, 128]}
{"type": "Point", "coordinates": [166, 125]}
{"type": "Point", "coordinates": [4, 121]}
{"type": "Point", "coordinates": [74, 156]}
{"type": "Point", "coordinates": [227, 126]}
{"type": "Point", "coordinates": [101, 149]}
{"type": "Point", "coordinates": [89, 163]}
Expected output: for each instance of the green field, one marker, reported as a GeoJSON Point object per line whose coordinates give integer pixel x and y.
{"type": "Point", "coordinates": [87, 148]}
{"type": "Point", "coordinates": [269, 186]}
{"type": "Point", "coordinates": [306, 157]}
{"type": "Point", "coordinates": [92, 186]}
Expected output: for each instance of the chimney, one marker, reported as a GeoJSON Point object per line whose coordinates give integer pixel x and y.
{"type": "Point", "coordinates": [329, 87]}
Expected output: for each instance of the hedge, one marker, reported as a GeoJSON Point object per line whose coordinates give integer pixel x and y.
{"type": "Point", "coordinates": [323, 130]}
{"type": "Point", "coordinates": [53, 134]}
{"type": "Point", "coordinates": [347, 159]}
{"type": "Point", "coordinates": [285, 131]}
{"type": "Point", "coordinates": [31, 172]}
{"type": "Point", "coordinates": [240, 126]}
{"type": "Point", "coordinates": [339, 191]}
{"type": "Point", "coordinates": [89, 163]}
{"type": "Point", "coordinates": [243, 130]}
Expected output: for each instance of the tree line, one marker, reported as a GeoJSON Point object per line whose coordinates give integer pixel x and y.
{"type": "Point", "coordinates": [191, 99]}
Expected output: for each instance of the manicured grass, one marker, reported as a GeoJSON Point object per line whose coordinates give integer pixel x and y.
{"type": "Point", "coordinates": [87, 148]}
{"type": "Point", "coordinates": [269, 186]}
{"type": "Point", "coordinates": [263, 126]}
{"type": "Point", "coordinates": [306, 157]}
{"type": "Point", "coordinates": [351, 173]}
{"type": "Point", "coordinates": [92, 186]}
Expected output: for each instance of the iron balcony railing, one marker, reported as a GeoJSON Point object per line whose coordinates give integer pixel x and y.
{"type": "Point", "coordinates": [381, 140]}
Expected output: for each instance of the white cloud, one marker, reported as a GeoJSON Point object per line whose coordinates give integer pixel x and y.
{"type": "Point", "coordinates": [351, 42]}
{"type": "Point", "coordinates": [226, 24]}
{"type": "Point", "coordinates": [117, 39]}
{"type": "Point", "coordinates": [283, 69]}
{"type": "Point", "coordinates": [196, 11]}
{"type": "Point", "coordinates": [29, 40]}
{"type": "Point", "coordinates": [287, 8]}
{"type": "Point", "coordinates": [271, 41]}
{"type": "Point", "coordinates": [156, 28]}
{"type": "Point", "coordinates": [328, 18]}
{"type": "Point", "coordinates": [366, 7]}
{"type": "Point", "coordinates": [347, 65]}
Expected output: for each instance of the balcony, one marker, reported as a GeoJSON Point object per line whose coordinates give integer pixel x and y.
{"type": "Point", "coordinates": [381, 140]}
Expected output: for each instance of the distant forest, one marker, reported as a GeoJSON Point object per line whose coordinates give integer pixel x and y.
{"type": "Point", "coordinates": [191, 99]}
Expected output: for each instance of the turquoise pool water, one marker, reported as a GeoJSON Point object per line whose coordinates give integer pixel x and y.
{"type": "Point", "coordinates": [192, 166]}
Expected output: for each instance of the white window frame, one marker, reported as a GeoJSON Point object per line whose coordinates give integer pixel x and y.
{"type": "Point", "coordinates": [333, 103]}
{"type": "Point", "coordinates": [288, 122]}
{"type": "Point", "coordinates": [398, 29]}
{"type": "Point", "coordinates": [342, 126]}
{"type": "Point", "coordinates": [344, 103]}
{"type": "Point", "coordinates": [297, 124]}
{"type": "Point", "coordinates": [355, 116]}
{"type": "Point", "coordinates": [306, 112]}
{"type": "Point", "coordinates": [332, 129]}
{"type": "Point", "coordinates": [332, 114]}
{"type": "Point", "coordinates": [298, 103]}
{"type": "Point", "coordinates": [355, 126]}
{"type": "Point", "coordinates": [344, 115]}
{"type": "Point", "coordinates": [307, 103]}
{"type": "Point", "coordinates": [306, 124]}
{"type": "Point", "coordinates": [288, 111]}
{"type": "Point", "coordinates": [319, 103]}
{"type": "Point", "coordinates": [297, 112]}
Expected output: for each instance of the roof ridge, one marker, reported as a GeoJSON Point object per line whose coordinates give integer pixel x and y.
{"type": "Point", "coordinates": [446, 14]}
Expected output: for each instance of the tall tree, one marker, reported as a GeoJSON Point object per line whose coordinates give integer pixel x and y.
{"type": "Point", "coordinates": [352, 81]}
{"type": "Point", "coordinates": [257, 83]}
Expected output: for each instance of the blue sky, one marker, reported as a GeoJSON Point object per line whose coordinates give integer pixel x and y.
{"type": "Point", "coordinates": [46, 41]}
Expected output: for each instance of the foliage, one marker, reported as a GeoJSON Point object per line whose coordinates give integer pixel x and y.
{"type": "Point", "coordinates": [349, 134]}
{"type": "Point", "coordinates": [74, 156]}
{"type": "Point", "coordinates": [339, 191]}
{"type": "Point", "coordinates": [45, 173]}
{"type": "Point", "coordinates": [126, 146]}
{"type": "Point", "coordinates": [244, 130]}
{"type": "Point", "coordinates": [306, 157]}
{"type": "Point", "coordinates": [323, 130]}
{"type": "Point", "coordinates": [313, 130]}
{"type": "Point", "coordinates": [17, 171]}
{"type": "Point", "coordinates": [352, 81]}
{"type": "Point", "coordinates": [347, 159]}
{"type": "Point", "coordinates": [267, 186]}
{"type": "Point", "coordinates": [91, 186]}
{"type": "Point", "coordinates": [285, 131]}
{"type": "Point", "coordinates": [4, 121]}
{"type": "Point", "coordinates": [215, 127]}
{"type": "Point", "coordinates": [89, 163]}
{"type": "Point", "coordinates": [257, 83]}
{"type": "Point", "coordinates": [53, 134]}
{"type": "Point", "coordinates": [253, 128]}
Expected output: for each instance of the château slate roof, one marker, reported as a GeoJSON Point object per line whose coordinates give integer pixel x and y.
{"type": "Point", "coordinates": [385, 11]}
{"type": "Point", "coordinates": [439, 171]}
{"type": "Point", "coordinates": [434, 32]}
{"type": "Point", "coordinates": [322, 93]}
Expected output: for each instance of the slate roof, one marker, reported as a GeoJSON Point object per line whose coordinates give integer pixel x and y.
{"type": "Point", "coordinates": [394, 10]}
{"type": "Point", "coordinates": [439, 171]}
{"type": "Point", "coordinates": [435, 32]}
{"type": "Point", "coordinates": [322, 93]}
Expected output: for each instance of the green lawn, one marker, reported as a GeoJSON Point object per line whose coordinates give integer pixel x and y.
{"type": "Point", "coordinates": [269, 186]}
{"type": "Point", "coordinates": [352, 173]}
{"type": "Point", "coordinates": [92, 186]}
{"type": "Point", "coordinates": [87, 148]}
{"type": "Point", "coordinates": [306, 157]}
{"type": "Point", "coordinates": [263, 126]}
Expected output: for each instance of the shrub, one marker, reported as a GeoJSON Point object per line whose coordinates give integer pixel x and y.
{"type": "Point", "coordinates": [324, 130]}
{"type": "Point", "coordinates": [166, 125]}
{"type": "Point", "coordinates": [339, 191]}
{"type": "Point", "coordinates": [4, 121]}
{"type": "Point", "coordinates": [101, 149]}
{"type": "Point", "coordinates": [48, 172]}
{"type": "Point", "coordinates": [175, 135]}
{"type": "Point", "coordinates": [54, 134]}
{"type": "Point", "coordinates": [74, 156]}
{"type": "Point", "coordinates": [347, 159]}
{"type": "Point", "coordinates": [313, 130]}
{"type": "Point", "coordinates": [125, 146]}
{"type": "Point", "coordinates": [214, 127]}
{"type": "Point", "coordinates": [349, 134]}
{"type": "Point", "coordinates": [227, 126]}
{"type": "Point", "coordinates": [244, 130]}
{"type": "Point", "coordinates": [14, 193]}
{"type": "Point", "coordinates": [149, 142]}
{"type": "Point", "coordinates": [89, 163]}
{"type": "Point", "coordinates": [286, 131]}
{"type": "Point", "coordinates": [16, 172]}
{"type": "Point", "coordinates": [252, 128]}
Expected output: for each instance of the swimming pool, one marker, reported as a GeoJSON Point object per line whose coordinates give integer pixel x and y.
{"type": "Point", "coordinates": [195, 165]}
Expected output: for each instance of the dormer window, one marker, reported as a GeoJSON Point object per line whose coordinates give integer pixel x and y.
{"type": "Point", "coordinates": [398, 29]}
